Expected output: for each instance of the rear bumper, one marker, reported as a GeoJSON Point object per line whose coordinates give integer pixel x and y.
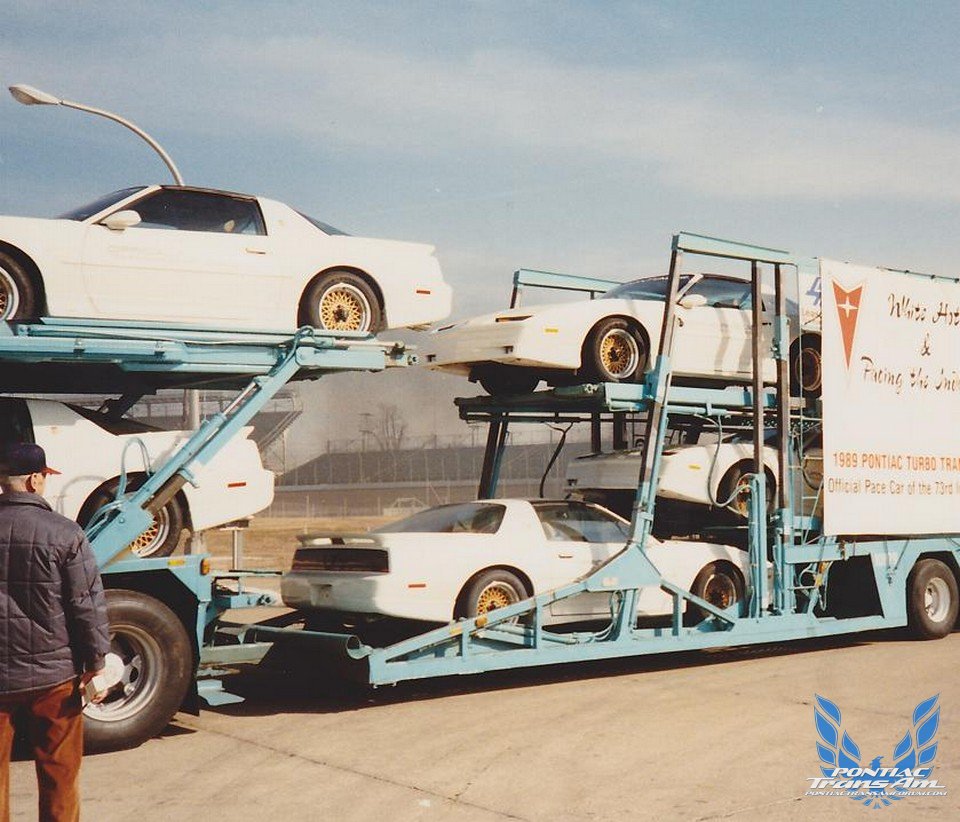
{"type": "Point", "coordinates": [510, 343]}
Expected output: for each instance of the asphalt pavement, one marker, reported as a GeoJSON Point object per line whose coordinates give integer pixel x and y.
{"type": "Point", "coordinates": [696, 736]}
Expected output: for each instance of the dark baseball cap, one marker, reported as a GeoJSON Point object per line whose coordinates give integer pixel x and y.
{"type": "Point", "coordinates": [17, 459]}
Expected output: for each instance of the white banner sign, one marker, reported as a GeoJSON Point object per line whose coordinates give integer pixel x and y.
{"type": "Point", "coordinates": [891, 402]}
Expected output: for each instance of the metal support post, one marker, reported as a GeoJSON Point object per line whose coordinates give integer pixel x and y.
{"type": "Point", "coordinates": [596, 439]}
{"type": "Point", "coordinates": [758, 484]}
{"type": "Point", "coordinates": [620, 431]}
{"type": "Point", "coordinates": [237, 545]}
{"type": "Point", "coordinates": [493, 456]}
{"type": "Point", "coordinates": [781, 348]}
{"type": "Point", "coordinates": [642, 520]}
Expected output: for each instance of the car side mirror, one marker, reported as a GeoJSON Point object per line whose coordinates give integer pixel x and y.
{"type": "Point", "coordinates": [692, 301]}
{"type": "Point", "coordinates": [120, 220]}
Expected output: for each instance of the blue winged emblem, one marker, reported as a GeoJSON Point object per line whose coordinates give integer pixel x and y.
{"type": "Point", "coordinates": [838, 752]}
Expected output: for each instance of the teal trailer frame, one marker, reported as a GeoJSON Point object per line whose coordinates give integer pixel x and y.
{"type": "Point", "coordinates": [790, 563]}
{"type": "Point", "coordinates": [60, 355]}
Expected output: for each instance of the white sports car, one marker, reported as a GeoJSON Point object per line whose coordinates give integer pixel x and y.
{"type": "Point", "coordinates": [216, 259]}
{"type": "Point", "coordinates": [707, 474]}
{"type": "Point", "coordinates": [465, 559]}
{"type": "Point", "coordinates": [610, 339]}
{"type": "Point", "coordinates": [88, 450]}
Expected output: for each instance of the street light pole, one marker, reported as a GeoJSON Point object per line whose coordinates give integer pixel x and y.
{"type": "Point", "coordinates": [30, 96]}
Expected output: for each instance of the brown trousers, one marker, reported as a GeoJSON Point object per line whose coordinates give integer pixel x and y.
{"type": "Point", "coordinates": [55, 721]}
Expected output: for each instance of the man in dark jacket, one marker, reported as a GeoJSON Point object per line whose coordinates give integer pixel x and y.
{"type": "Point", "coordinates": [53, 631]}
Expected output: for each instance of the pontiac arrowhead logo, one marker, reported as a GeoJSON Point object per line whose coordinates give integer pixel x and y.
{"type": "Point", "coordinates": [848, 309]}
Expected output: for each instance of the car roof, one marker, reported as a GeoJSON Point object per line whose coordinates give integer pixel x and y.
{"type": "Point", "coordinates": [202, 190]}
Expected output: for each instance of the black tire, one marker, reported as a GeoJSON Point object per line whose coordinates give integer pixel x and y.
{"type": "Point", "coordinates": [614, 351]}
{"type": "Point", "coordinates": [806, 367]}
{"type": "Point", "coordinates": [18, 298]}
{"type": "Point", "coordinates": [720, 584]}
{"type": "Point", "coordinates": [739, 506]}
{"type": "Point", "coordinates": [161, 539]}
{"type": "Point", "coordinates": [158, 668]}
{"type": "Point", "coordinates": [932, 599]}
{"type": "Point", "coordinates": [341, 301]}
{"type": "Point", "coordinates": [490, 589]}
{"type": "Point", "coordinates": [506, 380]}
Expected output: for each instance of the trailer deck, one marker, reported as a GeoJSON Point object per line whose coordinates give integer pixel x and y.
{"type": "Point", "coordinates": [791, 563]}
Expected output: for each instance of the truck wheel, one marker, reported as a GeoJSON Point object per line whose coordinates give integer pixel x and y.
{"type": "Point", "coordinates": [158, 665]}
{"type": "Point", "coordinates": [17, 297]}
{"type": "Point", "coordinates": [931, 599]}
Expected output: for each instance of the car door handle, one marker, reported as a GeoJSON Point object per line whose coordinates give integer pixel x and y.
{"type": "Point", "coordinates": [564, 556]}
{"type": "Point", "coordinates": [254, 250]}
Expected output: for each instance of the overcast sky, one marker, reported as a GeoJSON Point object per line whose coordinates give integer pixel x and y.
{"type": "Point", "coordinates": [568, 136]}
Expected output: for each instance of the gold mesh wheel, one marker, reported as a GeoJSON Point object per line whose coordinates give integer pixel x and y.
{"type": "Point", "coordinates": [343, 307]}
{"type": "Point", "coordinates": [496, 595]}
{"type": "Point", "coordinates": [719, 584]}
{"type": "Point", "coordinates": [619, 353]}
{"type": "Point", "coordinates": [150, 540]}
{"type": "Point", "coordinates": [9, 296]}
{"type": "Point", "coordinates": [720, 590]}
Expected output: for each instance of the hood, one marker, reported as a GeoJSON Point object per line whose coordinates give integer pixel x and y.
{"type": "Point", "coordinates": [650, 311]}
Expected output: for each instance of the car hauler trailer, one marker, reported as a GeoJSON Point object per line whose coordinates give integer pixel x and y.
{"type": "Point", "coordinates": [875, 548]}
{"type": "Point", "coordinates": [164, 610]}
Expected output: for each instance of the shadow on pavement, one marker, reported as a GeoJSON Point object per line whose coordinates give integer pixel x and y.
{"type": "Point", "coordinates": [270, 690]}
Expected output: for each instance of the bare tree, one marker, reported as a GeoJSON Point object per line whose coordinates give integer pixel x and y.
{"type": "Point", "coordinates": [391, 427]}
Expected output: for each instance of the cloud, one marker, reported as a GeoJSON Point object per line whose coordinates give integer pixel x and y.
{"type": "Point", "coordinates": [720, 129]}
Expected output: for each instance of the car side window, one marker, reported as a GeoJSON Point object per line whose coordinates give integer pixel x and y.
{"type": "Point", "coordinates": [179, 210]}
{"type": "Point", "coordinates": [577, 522]}
{"type": "Point", "coordinates": [722, 293]}
{"type": "Point", "coordinates": [15, 422]}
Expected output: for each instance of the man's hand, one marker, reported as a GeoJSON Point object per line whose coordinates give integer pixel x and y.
{"type": "Point", "coordinates": [86, 678]}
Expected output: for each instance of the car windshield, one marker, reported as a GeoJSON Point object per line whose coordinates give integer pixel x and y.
{"type": "Point", "coordinates": [649, 288]}
{"type": "Point", "coordinates": [96, 206]}
{"type": "Point", "coordinates": [324, 227]}
{"type": "Point", "coordinates": [468, 518]}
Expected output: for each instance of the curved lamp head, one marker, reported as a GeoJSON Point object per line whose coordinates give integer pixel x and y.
{"type": "Point", "coordinates": [30, 96]}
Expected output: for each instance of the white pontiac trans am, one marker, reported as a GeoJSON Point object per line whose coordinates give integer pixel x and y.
{"type": "Point", "coordinates": [216, 259]}
{"type": "Point", "coordinates": [88, 450]}
{"type": "Point", "coordinates": [465, 559]}
{"type": "Point", "coordinates": [611, 338]}
{"type": "Point", "coordinates": [706, 474]}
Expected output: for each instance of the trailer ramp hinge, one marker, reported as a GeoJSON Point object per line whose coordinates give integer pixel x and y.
{"type": "Point", "coordinates": [189, 476]}
{"type": "Point", "coordinates": [644, 515]}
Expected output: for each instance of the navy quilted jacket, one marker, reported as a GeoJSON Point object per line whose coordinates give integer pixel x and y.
{"type": "Point", "coordinates": [53, 614]}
